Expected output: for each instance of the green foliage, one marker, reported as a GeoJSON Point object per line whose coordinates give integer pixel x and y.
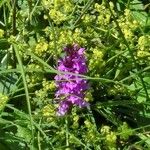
{"type": "Point", "coordinates": [116, 36]}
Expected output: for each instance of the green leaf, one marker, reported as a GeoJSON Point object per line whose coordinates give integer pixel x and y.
{"type": "Point", "coordinates": [24, 132]}
{"type": "Point", "coordinates": [139, 13]}
{"type": "Point", "coordinates": [145, 138]}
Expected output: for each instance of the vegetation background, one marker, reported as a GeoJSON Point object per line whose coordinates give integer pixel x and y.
{"type": "Point", "coordinates": [116, 35]}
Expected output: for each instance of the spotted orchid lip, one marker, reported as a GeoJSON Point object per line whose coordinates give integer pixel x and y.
{"type": "Point", "coordinates": [71, 87]}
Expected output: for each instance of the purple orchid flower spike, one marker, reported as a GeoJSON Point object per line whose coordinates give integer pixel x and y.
{"type": "Point", "coordinates": [71, 88]}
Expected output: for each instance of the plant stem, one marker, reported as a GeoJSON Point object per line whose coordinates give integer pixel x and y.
{"type": "Point", "coordinates": [26, 92]}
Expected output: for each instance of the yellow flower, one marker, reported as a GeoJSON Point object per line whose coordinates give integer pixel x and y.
{"type": "Point", "coordinates": [142, 54]}
{"type": "Point", "coordinates": [3, 101]}
{"type": "Point", "coordinates": [88, 96]}
{"type": "Point", "coordinates": [41, 47]}
{"type": "Point", "coordinates": [48, 110]}
{"type": "Point", "coordinates": [127, 12]}
{"type": "Point", "coordinates": [111, 137]}
{"type": "Point", "coordinates": [143, 43]}
{"type": "Point", "coordinates": [57, 16]}
{"type": "Point", "coordinates": [97, 54]}
{"type": "Point", "coordinates": [1, 33]}
{"type": "Point", "coordinates": [49, 85]}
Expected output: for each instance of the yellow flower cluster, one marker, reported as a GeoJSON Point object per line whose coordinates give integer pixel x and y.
{"type": "Point", "coordinates": [105, 129]}
{"type": "Point", "coordinates": [41, 94]}
{"type": "Point", "coordinates": [75, 120]}
{"type": "Point", "coordinates": [92, 135]}
{"type": "Point", "coordinates": [3, 101]}
{"type": "Point", "coordinates": [33, 77]}
{"type": "Point", "coordinates": [1, 33]}
{"type": "Point", "coordinates": [48, 110]}
{"type": "Point", "coordinates": [143, 46]}
{"type": "Point", "coordinates": [125, 131]}
{"type": "Point", "coordinates": [104, 14]}
{"type": "Point", "coordinates": [49, 113]}
{"type": "Point", "coordinates": [110, 138]}
{"type": "Point", "coordinates": [88, 96]}
{"type": "Point", "coordinates": [48, 85]}
{"type": "Point", "coordinates": [90, 33]}
{"type": "Point", "coordinates": [41, 47]}
{"type": "Point", "coordinates": [111, 141]}
{"type": "Point", "coordinates": [78, 36]}
{"type": "Point", "coordinates": [57, 16]}
{"type": "Point", "coordinates": [59, 10]}
{"type": "Point", "coordinates": [96, 62]}
{"type": "Point", "coordinates": [87, 18]}
{"type": "Point", "coordinates": [12, 39]}
{"type": "Point", "coordinates": [64, 37]}
{"type": "Point", "coordinates": [128, 25]}
{"type": "Point", "coordinates": [117, 89]}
